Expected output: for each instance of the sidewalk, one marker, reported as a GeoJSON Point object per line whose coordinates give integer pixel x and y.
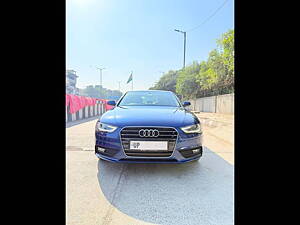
{"type": "Point", "coordinates": [218, 130]}
{"type": "Point", "coordinates": [215, 119]}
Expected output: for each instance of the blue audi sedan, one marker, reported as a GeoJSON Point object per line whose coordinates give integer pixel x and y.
{"type": "Point", "coordinates": [148, 127]}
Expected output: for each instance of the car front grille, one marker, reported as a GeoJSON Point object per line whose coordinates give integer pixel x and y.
{"type": "Point", "coordinates": [132, 134]}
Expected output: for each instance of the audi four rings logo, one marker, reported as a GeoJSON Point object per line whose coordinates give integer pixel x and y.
{"type": "Point", "coordinates": [148, 133]}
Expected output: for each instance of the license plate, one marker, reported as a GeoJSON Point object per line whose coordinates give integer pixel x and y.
{"type": "Point", "coordinates": [149, 145]}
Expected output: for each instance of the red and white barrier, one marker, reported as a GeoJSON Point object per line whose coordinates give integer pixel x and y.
{"type": "Point", "coordinates": [80, 107]}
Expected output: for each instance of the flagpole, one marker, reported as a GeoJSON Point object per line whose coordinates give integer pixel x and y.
{"type": "Point", "coordinates": [132, 81]}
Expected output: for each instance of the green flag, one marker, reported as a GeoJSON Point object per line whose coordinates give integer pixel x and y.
{"type": "Point", "coordinates": [130, 78]}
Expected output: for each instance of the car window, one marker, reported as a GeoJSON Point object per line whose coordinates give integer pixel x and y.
{"type": "Point", "coordinates": [144, 98]}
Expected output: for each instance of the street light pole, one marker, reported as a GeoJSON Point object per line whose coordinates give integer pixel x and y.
{"type": "Point", "coordinates": [184, 45]}
{"type": "Point", "coordinates": [100, 74]}
{"type": "Point", "coordinates": [100, 69]}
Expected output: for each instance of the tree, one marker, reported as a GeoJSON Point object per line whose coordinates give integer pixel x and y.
{"type": "Point", "coordinates": [187, 85]}
{"type": "Point", "coordinates": [91, 91]}
{"type": "Point", "coordinates": [226, 44]}
{"type": "Point", "coordinates": [217, 74]}
{"type": "Point", "coordinates": [211, 77]}
{"type": "Point", "coordinates": [211, 74]}
{"type": "Point", "coordinates": [167, 82]}
{"type": "Point", "coordinates": [98, 91]}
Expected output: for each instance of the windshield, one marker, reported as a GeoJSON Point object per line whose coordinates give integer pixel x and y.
{"type": "Point", "coordinates": [149, 98]}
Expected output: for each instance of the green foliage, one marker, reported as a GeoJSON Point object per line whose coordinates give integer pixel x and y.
{"type": "Point", "coordinates": [98, 91]}
{"type": "Point", "coordinates": [167, 82]}
{"type": "Point", "coordinates": [187, 85]}
{"type": "Point", "coordinates": [226, 44]}
{"type": "Point", "coordinates": [212, 77]}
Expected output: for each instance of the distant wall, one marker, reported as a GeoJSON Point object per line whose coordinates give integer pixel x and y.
{"type": "Point", "coordinates": [215, 104]}
{"type": "Point", "coordinates": [225, 104]}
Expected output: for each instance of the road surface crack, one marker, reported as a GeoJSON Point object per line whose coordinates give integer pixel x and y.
{"type": "Point", "coordinates": [107, 218]}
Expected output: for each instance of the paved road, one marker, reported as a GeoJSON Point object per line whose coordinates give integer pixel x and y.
{"type": "Point", "coordinates": [100, 192]}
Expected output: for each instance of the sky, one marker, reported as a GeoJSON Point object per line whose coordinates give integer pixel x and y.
{"type": "Point", "coordinates": [138, 35]}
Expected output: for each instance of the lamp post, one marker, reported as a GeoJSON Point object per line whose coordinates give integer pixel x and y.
{"type": "Point", "coordinates": [100, 69]}
{"type": "Point", "coordinates": [184, 45]}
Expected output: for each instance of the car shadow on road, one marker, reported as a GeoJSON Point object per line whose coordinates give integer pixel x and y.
{"type": "Point", "coordinates": [77, 122]}
{"type": "Point", "coordinates": [199, 192]}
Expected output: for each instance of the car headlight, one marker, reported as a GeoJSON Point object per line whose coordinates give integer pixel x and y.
{"type": "Point", "coordinates": [195, 128]}
{"type": "Point", "coordinates": [105, 127]}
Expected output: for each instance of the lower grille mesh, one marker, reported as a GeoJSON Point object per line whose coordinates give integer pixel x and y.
{"type": "Point", "coordinates": [132, 134]}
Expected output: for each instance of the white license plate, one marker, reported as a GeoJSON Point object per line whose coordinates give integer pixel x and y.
{"type": "Point", "coordinates": [149, 145]}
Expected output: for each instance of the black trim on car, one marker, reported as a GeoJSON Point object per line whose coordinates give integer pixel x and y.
{"type": "Point", "coordinates": [188, 153]}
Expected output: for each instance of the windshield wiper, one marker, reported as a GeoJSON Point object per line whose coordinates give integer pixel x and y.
{"type": "Point", "coordinates": [122, 107]}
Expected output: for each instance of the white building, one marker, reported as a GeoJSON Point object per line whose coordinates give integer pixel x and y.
{"type": "Point", "coordinates": [71, 79]}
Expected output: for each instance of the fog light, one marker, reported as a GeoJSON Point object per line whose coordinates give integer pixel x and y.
{"type": "Point", "coordinates": [101, 149]}
{"type": "Point", "coordinates": [195, 150]}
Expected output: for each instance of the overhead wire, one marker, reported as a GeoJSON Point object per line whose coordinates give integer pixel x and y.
{"type": "Point", "coordinates": [208, 18]}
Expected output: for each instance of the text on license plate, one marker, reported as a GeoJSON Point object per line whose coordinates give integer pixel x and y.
{"type": "Point", "coordinates": [148, 145]}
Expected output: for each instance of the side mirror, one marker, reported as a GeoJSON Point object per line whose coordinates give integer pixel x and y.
{"type": "Point", "coordinates": [113, 103]}
{"type": "Point", "coordinates": [186, 104]}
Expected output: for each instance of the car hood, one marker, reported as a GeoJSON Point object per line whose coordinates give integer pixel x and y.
{"type": "Point", "coordinates": [149, 116]}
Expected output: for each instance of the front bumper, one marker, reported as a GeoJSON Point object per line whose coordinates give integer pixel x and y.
{"type": "Point", "coordinates": [111, 149]}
